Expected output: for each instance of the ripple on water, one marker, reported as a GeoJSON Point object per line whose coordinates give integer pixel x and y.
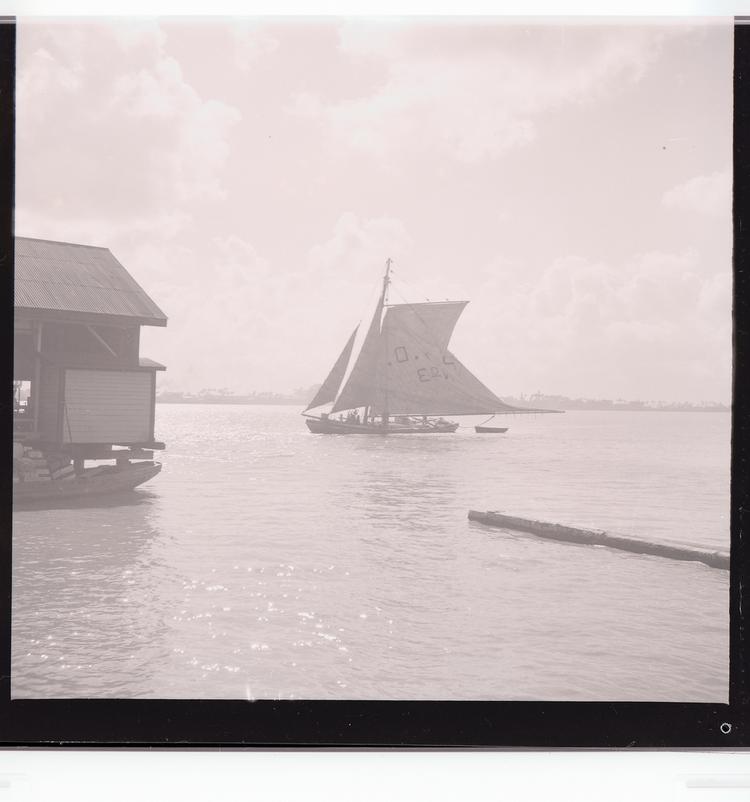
{"type": "Point", "coordinates": [298, 566]}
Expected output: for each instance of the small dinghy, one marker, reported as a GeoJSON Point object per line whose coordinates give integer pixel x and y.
{"type": "Point", "coordinates": [490, 429]}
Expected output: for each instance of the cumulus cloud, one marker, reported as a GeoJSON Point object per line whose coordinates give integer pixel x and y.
{"type": "Point", "coordinates": [250, 42]}
{"type": "Point", "coordinates": [130, 137]}
{"type": "Point", "coordinates": [338, 283]}
{"type": "Point", "coordinates": [705, 194]}
{"type": "Point", "coordinates": [236, 318]}
{"type": "Point", "coordinates": [357, 247]}
{"type": "Point", "coordinates": [110, 130]}
{"type": "Point", "coordinates": [660, 320]}
{"type": "Point", "coordinates": [221, 305]}
{"type": "Point", "coordinates": [474, 92]}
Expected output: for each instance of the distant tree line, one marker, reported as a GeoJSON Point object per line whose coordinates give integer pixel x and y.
{"type": "Point", "coordinates": [225, 396]}
{"type": "Point", "coordinates": [302, 395]}
{"type": "Point", "coordinates": [543, 401]}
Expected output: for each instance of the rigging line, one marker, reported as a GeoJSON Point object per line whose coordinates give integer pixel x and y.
{"type": "Point", "coordinates": [412, 289]}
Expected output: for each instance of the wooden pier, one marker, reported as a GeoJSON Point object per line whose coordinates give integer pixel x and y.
{"type": "Point", "coordinates": [594, 537]}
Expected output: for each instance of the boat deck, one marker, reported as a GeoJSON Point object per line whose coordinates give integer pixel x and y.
{"type": "Point", "coordinates": [330, 426]}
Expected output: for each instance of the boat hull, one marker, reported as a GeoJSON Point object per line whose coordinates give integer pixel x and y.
{"type": "Point", "coordinates": [320, 426]}
{"type": "Point", "coordinates": [490, 429]}
{"type": "Point", "coordinates": [92, 482]}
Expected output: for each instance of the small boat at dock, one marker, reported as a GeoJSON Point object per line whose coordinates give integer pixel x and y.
{"type": "Point", "coordinates": [99, 481]}
{"type": "Point", "coordinates": [490, 429]}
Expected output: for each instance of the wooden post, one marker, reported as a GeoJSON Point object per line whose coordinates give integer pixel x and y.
{"type": "Point", "coordinates": [38, 327]}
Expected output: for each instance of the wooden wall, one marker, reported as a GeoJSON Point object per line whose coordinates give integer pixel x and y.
{"type": "Point", "coordinates": [104, 406]}
{"type": "Point", "coordinates": [72, 344]}
{"type": "Point", "coordinates": [87, 392]}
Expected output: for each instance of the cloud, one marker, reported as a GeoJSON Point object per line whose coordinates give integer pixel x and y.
{"type": "Point", "coordinates": [237, 319]}
{"type": "Point", "coordinates": [358, 248]}
{"type": "Point", "coordinates": [473, 92]}
{"type": "Point", "coordinates": [130, 137]}
{"type": "Point", "coordinates": [109, 130]}
{"type": "Point", "coordinates": [704, 194]}
{"type": "Point", "coordinates": [584, 328]}
{"type": "Point", "coordinates": [251, 41]}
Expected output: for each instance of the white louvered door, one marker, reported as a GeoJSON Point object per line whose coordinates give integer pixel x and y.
{"type": "Point", "coordinates": [105, 406]}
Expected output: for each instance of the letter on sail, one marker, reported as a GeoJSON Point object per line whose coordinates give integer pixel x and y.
{"type": "Point", "coordinates": [418, 375]}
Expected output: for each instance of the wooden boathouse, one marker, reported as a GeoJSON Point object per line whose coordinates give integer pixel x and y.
{"type": "Point", "coordinates": [81, 389]}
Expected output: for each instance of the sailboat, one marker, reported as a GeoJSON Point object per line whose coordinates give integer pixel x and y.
{"type": "Point", "coordinates": [398, 376]}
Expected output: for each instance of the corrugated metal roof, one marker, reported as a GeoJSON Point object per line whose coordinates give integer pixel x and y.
{"type": "Point", "coordinates": [65, 277]}
{"type": "Point", "coordinates": [145, 362]}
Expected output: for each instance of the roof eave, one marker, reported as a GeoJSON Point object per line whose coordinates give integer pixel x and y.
{"type": "Point", "coordinates": [65, 316]}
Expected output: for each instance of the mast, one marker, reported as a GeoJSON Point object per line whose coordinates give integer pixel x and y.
{"type": "Point", "coordinates": [386, 282]}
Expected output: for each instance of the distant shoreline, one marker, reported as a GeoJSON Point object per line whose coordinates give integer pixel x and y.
{"type": "Point", "coordinates": [588, 408]}
{"type": "Point", "coordinates": [232, 402]}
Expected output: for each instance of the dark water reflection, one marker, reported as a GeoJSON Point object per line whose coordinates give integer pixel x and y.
{"type": "Point", "coordinates": [125, 498]}
{"type": "Point", "coordinates": [86, 595]}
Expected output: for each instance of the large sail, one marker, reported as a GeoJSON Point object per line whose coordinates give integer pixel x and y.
{"type": "Point", "coordinates": [438, 384]}
{"type": "Point", "coordinates": [418, 375]}
{"type": "Point", "coordinates": [405, 367]}
{"type": "Point", "coordinates": [421, 327]}
{"type": "Point", "coordinates": [327, 392]}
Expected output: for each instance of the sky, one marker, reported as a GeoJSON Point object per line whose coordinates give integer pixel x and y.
{"type": "Point", "coordinates": [571, 180]}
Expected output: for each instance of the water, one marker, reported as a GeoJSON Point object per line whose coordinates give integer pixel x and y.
{"type": "Point", "coordinates": [266, 562]}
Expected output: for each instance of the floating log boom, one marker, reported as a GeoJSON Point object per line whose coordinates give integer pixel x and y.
{"type": "Point", "coordinates": [594, 537]}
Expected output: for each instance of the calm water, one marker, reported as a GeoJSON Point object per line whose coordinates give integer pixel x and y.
{"type": "Point", "coordinates": [266, 562]}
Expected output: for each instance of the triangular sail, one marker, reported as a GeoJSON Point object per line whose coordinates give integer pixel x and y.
{"type": "Point", "coordinates": [418, 375]}
{"type": "Point", "coordinates": [440, 385]}
{"type": "Point", "coordinates": [357, 386]}
{"type": "Point", "coordinates": [327, 392]}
